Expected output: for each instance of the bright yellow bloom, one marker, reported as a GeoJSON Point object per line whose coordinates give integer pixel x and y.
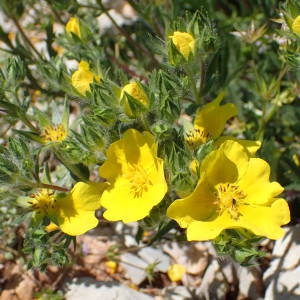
{"type": "Point", "coordinates": [74, 213]}
{"type": "Point", "coordinates": [73, 26]}
{"type": "Point", "coordinates": [83, 77]}
{"type": "Point", "coordinates": [176, 272]}
{"type": "Point", "coordinates": [296, 25]}
{"type": "Point", "coordinates": [136, 91]}
{"type": "Point", "coordinates": [54, 133]}
{"type": "Point", "coordinates": [234, 191]}
{"type": "Point", "coordinates": [210, 121]}
{"type": "Point", "coordinates": [136, 177]}
{"type": "Point", "coordinates": [184, 43]}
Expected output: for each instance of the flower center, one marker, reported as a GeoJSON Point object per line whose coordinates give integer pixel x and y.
{"type": "Point", "coordinates": [197, 136]}
{"type": "Point", "coordinates": [229, 197]}
{"type": "Point", "coordinates": [138, 179]}
{"type": "Point", "coordinates": [42, 202]}
{"type": "Point", "coordinates": [55, 133]}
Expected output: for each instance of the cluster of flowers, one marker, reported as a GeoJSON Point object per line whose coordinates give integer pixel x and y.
{"type": "Point", "coordinates": [233, 190]}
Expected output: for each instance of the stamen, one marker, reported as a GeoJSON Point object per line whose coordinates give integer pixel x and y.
{"type": "Point", "coordinates": [42, 202]}
{"type": "Point", "coordinates": [228, 199]}
{"type": "Point", "coordinates": [139, 180]}
{"type": "Point", "coordinates": [197, 136]}
{"type": "Point", "coordinates": [54, 133]}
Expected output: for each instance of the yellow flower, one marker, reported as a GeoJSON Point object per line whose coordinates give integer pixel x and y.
{"type": "Point", "coordinates": [73, 213]}
{"type": "Point", "coordinates": [136, 91]}
{"type": "Point", "coordinates": [54, 133]}
{"type": "Point", "coordinates": [136, 177]}
{"type": "Point", "coordinates": [83, 77]}
{"type": "Point", "coordinates": [184, 43]}
{"type": "Point", "coordinates": [73, 26]}
{"type": "Point", "coordinates": [210, 121]}
{"type": "Point", "coordinates": [176, 272]}
{"type": "Point", "coordinates": [296, 25]}
{"type": "Point", "coordinates": [234, 191]}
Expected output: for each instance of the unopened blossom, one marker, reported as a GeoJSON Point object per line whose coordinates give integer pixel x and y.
{"type": "Point", "coordinates": [234, 191]}
{"type": "Point", "coordinates": [73, 26]}
{"type": "Point", "coordinates": [134, 90]}
{"type": "Point", "coordinates": [135, 175]}
{"type": "Point", "coordinates": [83, 77]}
{"type": "Point", "coordinates": [74, 212]}
{"type": "Point", "coordinates": [184, 43]}
{"type": "Point", "coordinates": [210, 121]}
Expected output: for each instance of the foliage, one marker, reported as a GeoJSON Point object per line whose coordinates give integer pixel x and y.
{"type": "Point", "coordinates": [68, 96]}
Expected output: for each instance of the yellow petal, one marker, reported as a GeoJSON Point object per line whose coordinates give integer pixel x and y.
{"type": "Point", "coordinates": [296, 25]}
{"type": "Point", "coordinates": [209, 230]}
{"type": "Point", "coordinates": [75, 213]}
{"type": "Point", "coordinates": [51, 227]}
{"type": "Point", "coordinates": [136, 177]}
{"type": "Point", "coordinates": [184, 43]}
{"type": "Point", "coordinates": [213, 117]}
{"type": "Point", "coordinates": [176, 272]}
{"type": "Point", "coordinates": [264, 220]}
{"type": "Point", "coordinates": [73, 26]}
{"type": "Point", "coordinates": [261, 220]}
{"type": "Point", "coordinates": [111, 267]}
{"type": "Point", "coordinates": [87, 195]}
{"type": "Point", "coordinates": [197, 206]}
{"type": "Point", "coordinates": [226, 164]}
{"type": "Point", "coordinates": [251, 146]}
{"type": "Point", "coordinates": [136, 91]}
{"type": "Point", "coordinates": [256, 183]}
{"type": "Point", "coordinates": [78, 223]}
{"type": "Point", "coordinates": [128, 149]}
{"type": "Point", "coordinates": [123, 204]}
{"type": "Point", "coordinates": [83, 77]}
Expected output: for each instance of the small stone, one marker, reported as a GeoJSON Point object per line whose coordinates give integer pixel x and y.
{"type": "Point", "coordinates": [213, 285]}
{"type": "Point", "coordinates": [91, 289]}
{"type": "Point", "coordinates": [250, 282]}
{"type": "Point", "coordinates": [194, 257]}
{"type": "Point", "coordinates": [134, 268]}
{"type": "Point", "coordinates": [151, 255]}
{"type": "Point", "coordinates": [282, 277]}
{"type": "Point", "coordinates": [176, 293]}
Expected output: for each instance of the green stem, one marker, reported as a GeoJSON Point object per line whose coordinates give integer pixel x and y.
{"type": "Point", "coordinates": [262, 123]}
{"type": "Point", "coordinates": [72, 168]}
{"type": "Point", "coordinates": [127, 36]}
{"type": "Point", "coordinates": [26, 39]}
{"type": "Point", "coordinates": [52, 187]}
{"type": "Point", "coordinates": [192, 81]}
{"type": "Point", "coordinates": [264, 120]}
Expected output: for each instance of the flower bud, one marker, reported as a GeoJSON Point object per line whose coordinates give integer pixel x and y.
{"type": "Point", "coordinates": [137, 98]}
{"type": "Point", "coordinates": [184, 43]}
{"type": "Point", "coordinates": [73, 26]}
